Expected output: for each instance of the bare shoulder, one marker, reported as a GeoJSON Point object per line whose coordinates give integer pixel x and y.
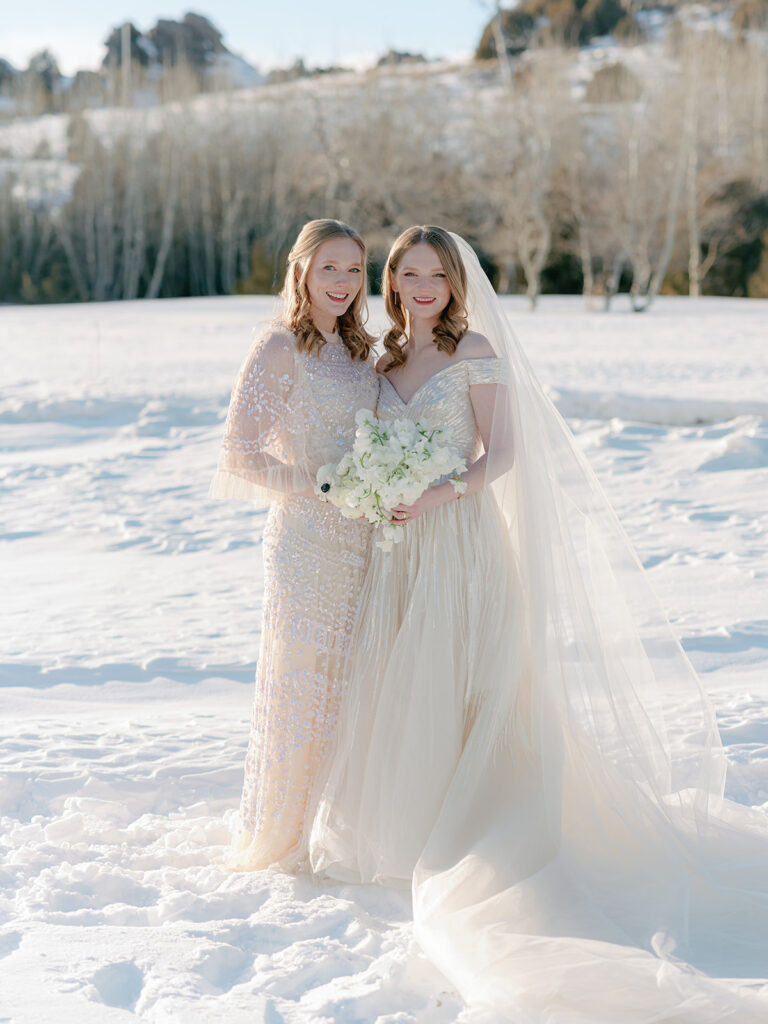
{"type": "Point", "coordinates": [475, 346]}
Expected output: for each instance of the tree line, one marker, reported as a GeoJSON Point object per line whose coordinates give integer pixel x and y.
{"type": "Point", "coordinates": [623, 183]}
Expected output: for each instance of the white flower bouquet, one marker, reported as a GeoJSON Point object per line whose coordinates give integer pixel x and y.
{"type": "Point", "coordinates": [392, 461]}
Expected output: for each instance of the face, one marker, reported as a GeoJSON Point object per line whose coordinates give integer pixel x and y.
{"type": "Point", "coordinates": [335, 277]}
{"type": "Point", "coordinates": [422, 283]}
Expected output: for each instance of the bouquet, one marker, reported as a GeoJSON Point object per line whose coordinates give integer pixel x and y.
{"type": "Point", "coordinates": [390, 462]}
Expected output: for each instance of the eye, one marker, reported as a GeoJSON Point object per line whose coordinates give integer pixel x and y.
{"type": "Point", "coordinates": [409, 273]}
{"type": "Point", "coordinates": [354, 270]}
{"type": "Point", "coordinates": [440, 274]}
{"type": "Point", "coordinates": [329, 266]}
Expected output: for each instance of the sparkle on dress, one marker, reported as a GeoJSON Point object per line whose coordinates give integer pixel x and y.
{"type": "Point", "coordinates": [434, 633]}
{"type": "Point", "coordinates": [290, 413]}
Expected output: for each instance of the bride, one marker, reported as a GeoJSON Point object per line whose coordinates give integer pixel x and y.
{"type": "Point", "coordinates": [503, 747]}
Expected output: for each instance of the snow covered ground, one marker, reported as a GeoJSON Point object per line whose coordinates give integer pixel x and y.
{"type": "Point", "coordinates": [130, 611]}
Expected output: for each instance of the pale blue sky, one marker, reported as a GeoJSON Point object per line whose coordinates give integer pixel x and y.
{"type": "Point", "coordinates": [266, 32]}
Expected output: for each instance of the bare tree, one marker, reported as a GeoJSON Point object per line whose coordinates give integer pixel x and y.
{"type": "Point", "coordinates": [519, 151]}
{"type": "Point", "coordinates": [169, 193]}
{"type": "Point", "coordinates": [205, 194]}
{"type": "Point", "coordinates": [758, 85]}
{"type": "Point", "coordinates": [494, 8]}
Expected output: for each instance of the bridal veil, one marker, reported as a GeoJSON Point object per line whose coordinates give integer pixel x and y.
{"type": "Point", "coordinates": [585, 867]}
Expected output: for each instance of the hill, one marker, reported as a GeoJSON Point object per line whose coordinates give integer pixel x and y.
{"type": "Point", "coordinates": [573, 23]}
{"type": "Point", "coordinates": [639, 166]}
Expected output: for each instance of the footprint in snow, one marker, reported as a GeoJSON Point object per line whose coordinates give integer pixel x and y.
{"type": "Point", "coordinates": [119, 984]}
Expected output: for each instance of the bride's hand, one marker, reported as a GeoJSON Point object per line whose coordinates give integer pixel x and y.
{"type": "Point", "coordinates": [431, 498]}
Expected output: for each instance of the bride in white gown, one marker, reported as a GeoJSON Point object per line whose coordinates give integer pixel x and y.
{"type": "Point", "coordinates": [503, 747]}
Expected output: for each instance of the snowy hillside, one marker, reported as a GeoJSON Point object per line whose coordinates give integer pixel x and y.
{"type": "Point", "coordinates": [130, 635]}
{"type": "Point", "coordinates": [459, 87]}
{"type": "Point", "coordinates": [552, 163]}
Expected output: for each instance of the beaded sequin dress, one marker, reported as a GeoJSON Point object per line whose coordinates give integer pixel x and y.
{"type": "Point", "coordinates": [290, 413]}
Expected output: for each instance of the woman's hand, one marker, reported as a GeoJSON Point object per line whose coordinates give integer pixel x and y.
{"type": "Point", "coordinates": [310, 492]}
{"type": "Point", "coordinates": [431, 498]}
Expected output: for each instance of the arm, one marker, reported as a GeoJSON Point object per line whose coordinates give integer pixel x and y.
{"type": "Point", "coordinates": [483, 398]}
{"type": "Point", "coordinates": [489, 398]}
{"type": "Point", "coordinates": [250, 463]}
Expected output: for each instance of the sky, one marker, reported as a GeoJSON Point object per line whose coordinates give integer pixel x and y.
{"type": "Point", "coordinates": [268, 34]}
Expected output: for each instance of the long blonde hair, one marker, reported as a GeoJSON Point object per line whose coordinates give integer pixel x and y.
{"type": "Point", "coordinates": [297, 315]}
{"type": "Point", "coordinates": [453, 324]}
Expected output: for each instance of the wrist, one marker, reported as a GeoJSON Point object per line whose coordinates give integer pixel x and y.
{"type": "Point", "coordinates": [445, 493]}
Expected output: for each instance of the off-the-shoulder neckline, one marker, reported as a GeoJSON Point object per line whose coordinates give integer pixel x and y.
{"type": "Point", "coordinates": [450, 366]}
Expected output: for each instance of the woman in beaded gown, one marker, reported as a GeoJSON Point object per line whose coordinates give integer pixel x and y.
{"type": "Point", "coordinates": [292, 410]}
{"type": "Point", "coordinates": [503, 746]}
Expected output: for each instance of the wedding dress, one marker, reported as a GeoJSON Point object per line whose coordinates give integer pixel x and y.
{"type": "Point", "coordinates": [503, 746]}
{"type": "Point", "coordinates": [290, 413]}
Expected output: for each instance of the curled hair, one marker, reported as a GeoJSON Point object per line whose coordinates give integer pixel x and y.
{"type": "Point", "coordinates": [453, 324]}
{"type": "Point", "coordinates": [297, 315]}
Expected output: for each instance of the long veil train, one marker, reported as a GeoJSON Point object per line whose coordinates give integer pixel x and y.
{"type": "Point", "coordinates": [583, 869]}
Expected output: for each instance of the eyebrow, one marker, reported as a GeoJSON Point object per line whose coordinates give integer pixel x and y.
{"type": "Point", "coordinates": [353, 263]}
{"type": "Point", "coordinates": [439, 267]}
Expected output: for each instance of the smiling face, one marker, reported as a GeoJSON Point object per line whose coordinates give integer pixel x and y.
{"type": "Point", "coordinates": [334, 278]}
{"type": "Point", "coordinates": [425, 292]}
{"type": "Point", "coordinates": [422, 283]}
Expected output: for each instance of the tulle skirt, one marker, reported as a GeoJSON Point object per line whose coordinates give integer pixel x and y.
{"type": "Point", "coordinates": [547, 884]}
{"type": "Point", "coordinates": [433, 632]}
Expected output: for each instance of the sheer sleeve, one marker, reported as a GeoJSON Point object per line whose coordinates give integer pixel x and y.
{"type": "Point", "coordinates": [258, 459]}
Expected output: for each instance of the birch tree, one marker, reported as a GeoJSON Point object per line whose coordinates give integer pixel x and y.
{"type": "Point", "coordinates": [519, 167]}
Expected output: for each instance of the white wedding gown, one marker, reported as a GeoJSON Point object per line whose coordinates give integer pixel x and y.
{"type": "Point", "coordinates": [561, 873]}
{"type": "Point", "coordinates": [420, 659]}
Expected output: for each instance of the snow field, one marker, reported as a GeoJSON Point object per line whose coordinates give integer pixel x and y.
{"type": "Point", "coordinates": [130, 609]}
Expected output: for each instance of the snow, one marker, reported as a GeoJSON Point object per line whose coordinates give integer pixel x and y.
{"type": "Point", "coordinates": [41, 182]}
{"type": "Point", "coordinates": [457, 88]}
{"type": "Point", "coordinates": [130, 609]}
{"type": "Point", "coordinates": [235, 70]}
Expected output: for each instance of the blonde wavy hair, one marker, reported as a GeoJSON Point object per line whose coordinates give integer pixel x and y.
{"type": "Point", "coordinates": [297, 316]}
{"type": "Point", "coordinates": [452, 325]}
